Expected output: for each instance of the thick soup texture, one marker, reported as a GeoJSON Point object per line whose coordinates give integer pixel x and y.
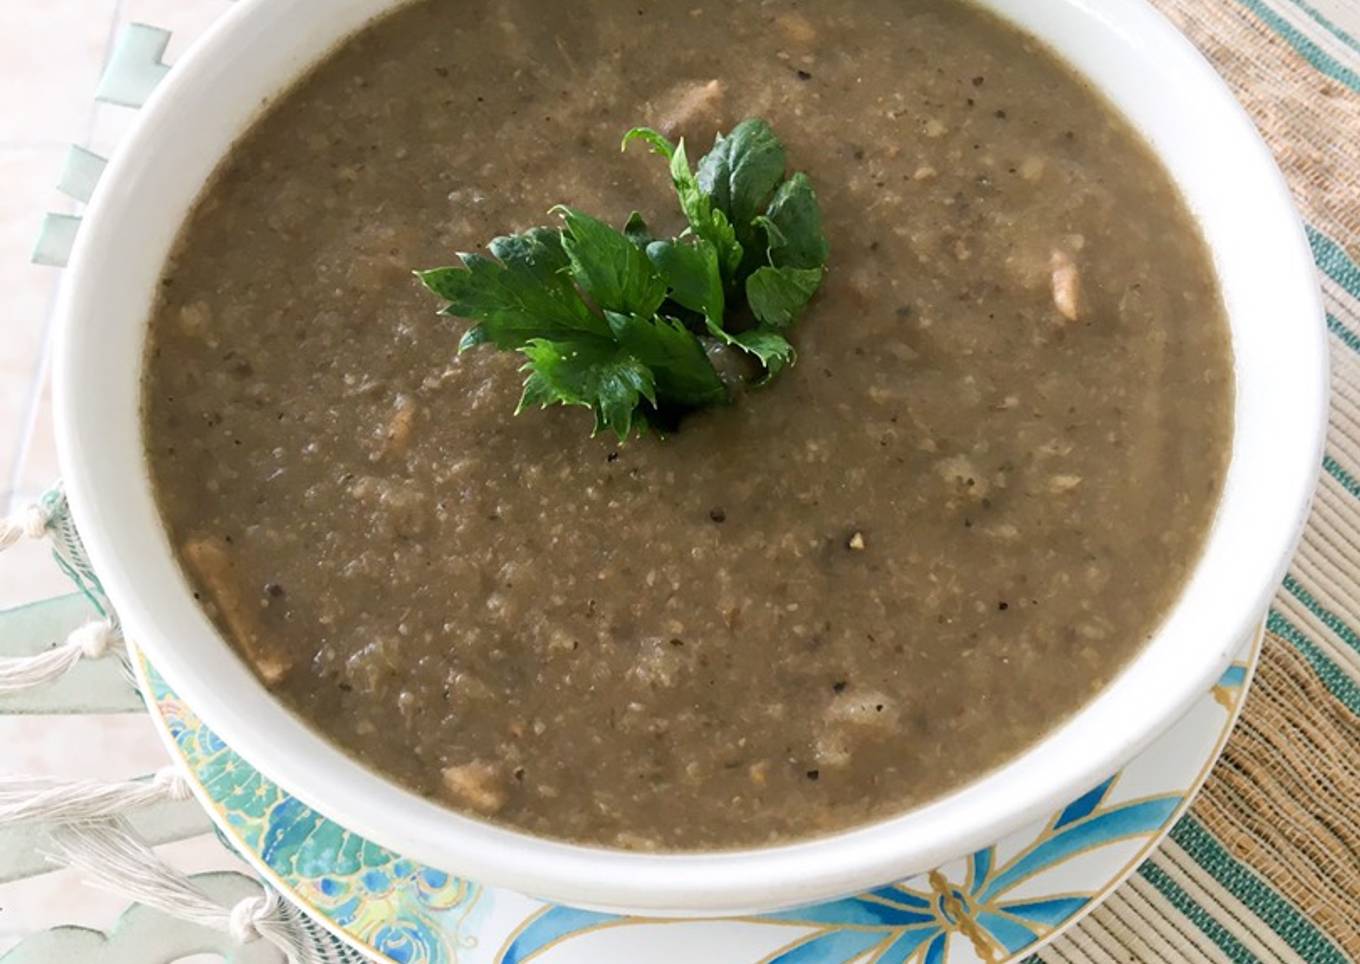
{"type": "Point", "coordinates": [939, 534]}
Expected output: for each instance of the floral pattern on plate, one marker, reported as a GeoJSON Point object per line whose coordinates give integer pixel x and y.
{"type": "Point", "coordinates": [995, 905]}
{"type": "Point", "coordinates": [402, 910]}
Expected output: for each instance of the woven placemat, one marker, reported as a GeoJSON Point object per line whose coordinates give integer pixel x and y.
{"type": "Point", "coordinates": [1266, 867]}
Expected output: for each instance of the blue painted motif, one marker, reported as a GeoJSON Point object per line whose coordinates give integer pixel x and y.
{"type": "Point", "coordinates": [907, 944]}
{"type": "Point", "coordinates": [1083, 805]}
{"type": "Point", "coordinates": [1050, 912]}
{"type": "Point", "coordinates": [551, 926]}
{"type": "Point", "coordinates": [830, 947]}
{"type": "Point", "coordinates": [904, 922]}
{"type": "Point", "coordinates": [403, 911]}
{"type": "Point", "coordinates": [1013, 935]}
{"type": "Point", "coordinates": [979, 867]}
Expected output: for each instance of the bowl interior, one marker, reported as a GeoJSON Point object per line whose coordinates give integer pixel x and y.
{"type": "Point", "coordinates": [1127, 50]}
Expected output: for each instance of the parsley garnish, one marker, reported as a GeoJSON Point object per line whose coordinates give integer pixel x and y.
{"type": "Point", "coordinates": [622, 322]}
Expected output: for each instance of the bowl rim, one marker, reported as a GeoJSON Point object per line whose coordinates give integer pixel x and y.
{"type": "Point", "coordinates": [108, 498]}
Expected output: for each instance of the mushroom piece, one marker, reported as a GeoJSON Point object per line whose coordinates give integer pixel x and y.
{"type": "Point", "coordinates": [797, 29]}
{"type": "Point", "coordinates": [1066, 285]}
{"type": "Point", "coordinates": [476, 785]}
{"type": "Point", "coordinates": [690, 107]}
{"type": "Point", "coordinates": [396, 434]}
{"type": "Point", "coordinates": [210, 561]}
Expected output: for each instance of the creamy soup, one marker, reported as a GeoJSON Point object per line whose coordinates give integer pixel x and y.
{"type": "Point", "coordinates": [896, 566]}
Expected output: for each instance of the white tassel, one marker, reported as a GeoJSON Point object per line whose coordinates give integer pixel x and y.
{"type": "Point", "coordinates": [92, 641]}
{"type": "Point", "coordinates": [42, 800]}
{"type": "Point", "coordinates": [29, 522]}
{"type": "Point", "coordinates": [110, 857]}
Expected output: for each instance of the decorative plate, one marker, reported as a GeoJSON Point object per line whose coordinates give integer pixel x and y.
{"type": "Point", "coordinates": [995, 905]}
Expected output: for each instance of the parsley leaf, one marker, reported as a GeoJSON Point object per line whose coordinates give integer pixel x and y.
{"type": "Point", "coordinates": [692, 276]}
{"type": "Point", "coordinates": [637, 231]}
{"type": "Point", "coordinates": [768, 345]}
{"type": "Point", "coordinates": [684, 376]}
{"type": "Point", "coordinates": [519, 296]}
{"type": "Point", "coordinates": [609, 268]}
{"type": "Point", "coordinates": [622, 322]}
{"type": "Point", "coordinates": [591, 372]}
{"type": "Point", "coordinates": [706, 219]}
{"type": "Point", "coordinates": [778, 295]}
{"type": "Point", "coordinates": [741, 172]}
{"type": "Point", "coordinates": [793, 225]}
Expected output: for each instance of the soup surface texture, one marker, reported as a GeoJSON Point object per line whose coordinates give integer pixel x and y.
{"type": "Point", "coordinates": [907, 558]}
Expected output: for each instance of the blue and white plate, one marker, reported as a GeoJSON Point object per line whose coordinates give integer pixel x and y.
{"type": "Point", "coordinates": [996, 905]}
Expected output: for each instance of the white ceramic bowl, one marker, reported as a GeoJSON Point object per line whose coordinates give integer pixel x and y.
{"type": "Point", "coordinates": [1127, 50]}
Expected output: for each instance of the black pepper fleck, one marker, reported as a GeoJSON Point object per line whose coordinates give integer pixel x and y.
{"type": "Point", "coordinates": [804, 75]}
{"type": "Point", "coordinates": [838, 686]}
{"type": "Point", "coordinates": [717, 514]}
{"type": "Point", "coordinates": [814, 774]}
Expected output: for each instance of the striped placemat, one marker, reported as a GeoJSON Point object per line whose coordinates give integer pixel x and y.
{"type": "Point", "coordinates": [1266, 867]}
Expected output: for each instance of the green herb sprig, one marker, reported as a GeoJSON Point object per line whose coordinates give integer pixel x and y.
{"type": "Point", "coordinates": [623, 323]}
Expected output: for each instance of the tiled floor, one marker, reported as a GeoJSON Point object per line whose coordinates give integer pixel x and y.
{"type": "Point", "coordinates": [51, 55]}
